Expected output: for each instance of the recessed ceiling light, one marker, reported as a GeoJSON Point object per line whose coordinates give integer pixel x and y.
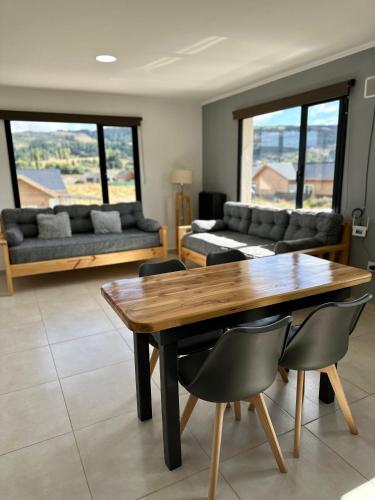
{"type": "Point", "coordinates": [106, 58]}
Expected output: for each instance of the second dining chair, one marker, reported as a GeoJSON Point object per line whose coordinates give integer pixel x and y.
{"type": "Point", "coordinates": [241, 366]}
{"type": "Point", "coordinates": [318, 344]}
{"type": "Point", "coordinates": [235, 255]}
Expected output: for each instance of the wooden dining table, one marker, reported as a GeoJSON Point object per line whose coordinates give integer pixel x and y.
{"type": "Point", "coordinates": [173, 306]}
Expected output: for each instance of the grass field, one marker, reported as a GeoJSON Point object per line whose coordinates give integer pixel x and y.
{"type": "Point", "coordinates": [92, 193]}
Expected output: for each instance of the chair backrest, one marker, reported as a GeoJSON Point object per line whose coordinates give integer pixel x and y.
{"type": "Point", "coordinates": [243, 363]}
{"type": "Point", "coordinates": [168, 266]}
{"type": "Point", "coordinates": [233, 255]}
{"type": "Point", "coordinates": [323, 337]}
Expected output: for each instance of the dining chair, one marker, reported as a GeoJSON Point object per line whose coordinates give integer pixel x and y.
{"type": "Point", "coordinates": [235, 255]}
{"type": "Point", "coordinates": [319, 343]}
{"type": "Point", "coordinates": [188, 345]}
{"type": "Point", "coordinates": [241, 365]}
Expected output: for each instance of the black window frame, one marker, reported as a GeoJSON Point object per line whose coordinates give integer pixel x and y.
{"type": "Point", "coordinates": [100, 121]}
{"type": "Point", "coordinates": [340, 148]}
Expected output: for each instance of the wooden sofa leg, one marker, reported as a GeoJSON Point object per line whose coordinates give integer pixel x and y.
{"type": "Point", "coordinates": [164, 240]}
{"type": "Point", "coordinates": [8, 272]}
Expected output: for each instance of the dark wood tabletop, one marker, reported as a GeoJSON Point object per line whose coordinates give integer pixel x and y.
{"type": "Point", "coordinates": [156, 303]}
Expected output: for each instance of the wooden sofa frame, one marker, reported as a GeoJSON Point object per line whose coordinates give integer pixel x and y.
{"type": "Point", "coordinates": [71, 263]}
{"type": "Point", "coordinates": [337, 253]}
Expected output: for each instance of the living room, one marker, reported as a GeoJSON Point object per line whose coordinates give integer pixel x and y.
{"type": "Point", "coordinates": [142, 143]}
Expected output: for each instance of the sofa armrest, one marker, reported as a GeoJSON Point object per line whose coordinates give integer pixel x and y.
{"type": "Point", "coordinates": [295, 245]}
{"type": "Point", "coordinates": [206, 226]}
{"type": "Point", "coordinates": [163, 232]}
{"type": "Point", "coordinates": [181, 231]}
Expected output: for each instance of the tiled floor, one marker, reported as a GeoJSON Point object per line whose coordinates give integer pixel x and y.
{"type": "Point", "coordinates": [69, 428]}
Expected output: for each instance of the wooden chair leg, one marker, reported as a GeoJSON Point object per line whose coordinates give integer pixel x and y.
{"type": "Point", "coordinates": [8, 272]}
{"type": "Point", "coordinates": [251, 406]}
{"type": "Point", "coordinates": [216, 444]}
{"type": "Point", "coordinates": [266, 422]}
{"type": "Point", "coordinates": [298, 415]}
{"type": "Point", "coordinates": [237, 410]}
{"type": "Point", "coordinates": [283, 374]}
{"type": "Point", "coordinates": [154, 359]}
{"type": "Point", "coordinates": [341, 398]}
{"type": "Point", "coordinates": [188, 410]}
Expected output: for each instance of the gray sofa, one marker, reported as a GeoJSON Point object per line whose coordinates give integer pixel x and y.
{"type": "Point", "coordinates": [24, 253]}
{"type": "Point", "coordinates": [260, 232]}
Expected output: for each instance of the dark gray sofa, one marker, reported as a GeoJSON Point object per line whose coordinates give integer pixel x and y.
{"type": "Point", "coordinates": [24, 253]}
{"type": "Point", "coordinates": [260, 232]}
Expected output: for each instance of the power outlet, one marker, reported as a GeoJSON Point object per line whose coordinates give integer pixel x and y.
{"type": "Point", "coordinates": [371, 266]}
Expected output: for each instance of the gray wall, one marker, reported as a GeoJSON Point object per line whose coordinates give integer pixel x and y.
{"type": "Point", "coordinates": [220, 137]}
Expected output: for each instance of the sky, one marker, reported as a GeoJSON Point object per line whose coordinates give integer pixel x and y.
{"type": "Point", "coordinates": [19, 126]}
{"type": "Point", "coordinates": [319, 114]}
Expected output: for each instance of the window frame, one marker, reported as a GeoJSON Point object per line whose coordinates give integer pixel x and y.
{"type": "Point", "coordinates": [339, 158]}
{"type": "Point", "coordinates": [100, 121]}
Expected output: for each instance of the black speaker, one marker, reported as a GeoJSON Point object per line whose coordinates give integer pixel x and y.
{"type": "Point", "coordinates": [211, 205]}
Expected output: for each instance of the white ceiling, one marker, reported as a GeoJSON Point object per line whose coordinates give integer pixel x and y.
{"type": "Point", "coordinates": [53, 43]}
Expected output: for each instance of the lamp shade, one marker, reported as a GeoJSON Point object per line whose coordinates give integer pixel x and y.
{"type": "Point", "coordinates": [181, 176]}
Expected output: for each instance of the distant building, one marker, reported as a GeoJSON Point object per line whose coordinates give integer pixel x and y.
{"type": "Point", "coordinates": [40, 188]}
{"type": "Point", "coordinates": [125, 175]}
{"type": "Point", "coordinates": [281, 178]}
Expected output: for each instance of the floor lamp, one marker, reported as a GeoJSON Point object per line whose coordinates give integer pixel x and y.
{"type": "Point", "coordinates": [182, 177]}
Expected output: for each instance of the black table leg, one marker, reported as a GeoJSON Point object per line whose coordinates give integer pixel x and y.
{"type": "Point", "coordinates": [326, 392]}
{"type": "Point", "coordinates": [170, 405]}
{"type": "Point", "coordinates": [142, 375]}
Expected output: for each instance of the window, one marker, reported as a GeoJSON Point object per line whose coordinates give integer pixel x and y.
{"type": "Point", "coordinates": [293, 157]}
{"type": "Point", "coordinates": [69, 162]}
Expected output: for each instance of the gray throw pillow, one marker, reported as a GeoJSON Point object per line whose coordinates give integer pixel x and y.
{"type": "Point", "coordinates": [148, 225]}
{"type": "Point", "coordinates": [52, 226]}
{"type": "Point", "coordinates": [14, 236]}
{"type": "Point", "coordinates": [205, 226]}
{"type": "Point", "coordinates": [106, 222]}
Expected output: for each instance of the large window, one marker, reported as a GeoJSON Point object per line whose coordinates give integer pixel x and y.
{"type": "Point", "coordinates": [293, 157]}
{"type": "Point", "coordinates": [68, 162]}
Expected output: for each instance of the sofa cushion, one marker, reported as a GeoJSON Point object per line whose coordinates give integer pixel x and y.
{"type": "Point", "coordinates": [80, 218]}
{"type": "Point", "coordinates": [106, 222]}
{"type": "Point", "coordinates": [129, 212]}
{"type": "Point", "coordinates": [206, 226]}
{"type": "Point", "coordinates": [148, 225]}
{"type": "Point", "coordinates": [53, 226]}
{"type": "Point", "coordinates": [24, 218]}
{"type": "Point", "coordinates": [34, 249]}
{"type": "Point", "coordinates": [324, 227]}
{"type": "Point", "coordinates": [13, 235]}
{"type": "Point", "coordinates": [268, 223]}
{"type": "Point", "coordinates": [237, 216]}
{"type": "Point", "coordinates": [205, 243]}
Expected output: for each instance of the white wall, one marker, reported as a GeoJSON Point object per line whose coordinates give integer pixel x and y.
{"type": "Point", "coordinates": [170, 137]}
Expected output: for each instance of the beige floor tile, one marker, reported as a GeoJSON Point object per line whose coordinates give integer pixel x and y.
{"type": "Point", "coordinates": [75, 325]}
{"type": "Point", "coordinates": [46, 471]}
{"type": "Point", "coordinates": [285, 396]}
{"type": "Point", "coordinates": [359, 450]}
{"type": "Point", "coordinates": [25, 369]}
{"type": "Point", "coordinates": [59, 285]}
{"type": "Point", "coordinates": [194, 487]}
{"type": "Point", "coordinates": [101, 394]}
{"type": "Point", "coordinates": [237, 436]}
{"type": "Point", "coordinates": [20, 338]}
{"type": "Point", "coordinates": [20, 297]}
{"type": "Point", "coordinates": [358, 366]}
{"type": "Point", "coordinates": [66, 304]}
{"type": "Point", "coordinates": [318, 474]}
{"type": "Point", "coordinates": [123, 457]}
{"type": "Point", "coordinates": [10, 315]}
{"type": "Point", "coordinates": [366, 324]}
{"type": "Point", "coordinates": [127, 335]}
{"type": "Point", "coordinates": [32, 415]}
{"type": "Point", "coordinates": [89, 353]}
{"type": "Point", "coordinates": [111, 314]}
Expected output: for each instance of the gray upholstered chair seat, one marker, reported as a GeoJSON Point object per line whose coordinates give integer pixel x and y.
{"type": "Point", "coordinates": [80, 244]}
{"type": "Point", "coordinates": [218, 241]}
